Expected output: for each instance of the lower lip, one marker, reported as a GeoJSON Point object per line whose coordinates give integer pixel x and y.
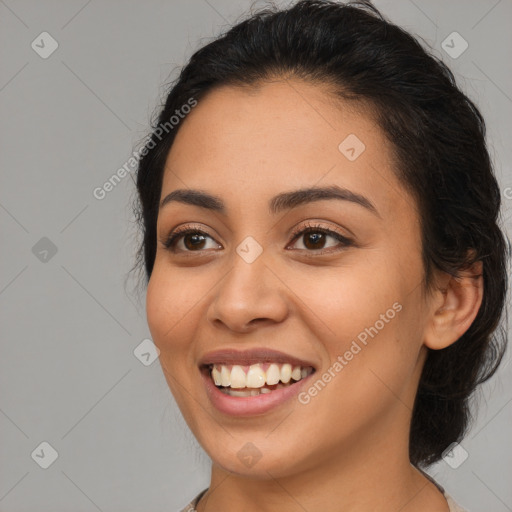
{"type": "Point", "coordinates": [249, 405]}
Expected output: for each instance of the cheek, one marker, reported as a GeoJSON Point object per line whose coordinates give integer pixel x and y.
{"type": "Point", "coordinates": [170, 299]}
{"type": "Point", "coordinates": [346, 301]}
{"type": "Point", "coordinates": [169, 308]}
{"type": "Point", "coordinates": [157, 304]}
{"type": "Point", "coordinates": [370, 324]}
{"type": "Point", "coordinates": [170, 319]}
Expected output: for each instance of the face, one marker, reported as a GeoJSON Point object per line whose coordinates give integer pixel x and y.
{"type": "Point", "coordinates": [328, 285]}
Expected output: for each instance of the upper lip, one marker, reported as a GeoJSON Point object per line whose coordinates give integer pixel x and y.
{"type": "Point", "coordinates": [252, 356]}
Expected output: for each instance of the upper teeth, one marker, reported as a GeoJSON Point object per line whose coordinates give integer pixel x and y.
{"type": "Point", "coordinates": [256, 377]}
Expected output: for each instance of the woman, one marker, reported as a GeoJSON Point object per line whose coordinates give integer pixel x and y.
{"type": "Point", "coordinates": [325, 270]}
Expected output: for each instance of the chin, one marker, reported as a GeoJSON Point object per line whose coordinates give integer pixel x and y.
{"type": "Point", "coordinates": [259, 458]}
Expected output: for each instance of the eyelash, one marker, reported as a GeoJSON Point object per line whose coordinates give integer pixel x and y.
{"type": "Point", "coordinates": [171, 241]}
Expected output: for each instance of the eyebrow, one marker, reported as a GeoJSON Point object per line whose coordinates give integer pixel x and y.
{"type": "Point", "coordinates": [279, 203]}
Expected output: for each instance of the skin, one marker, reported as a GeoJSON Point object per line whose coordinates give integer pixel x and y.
{"type": "Point", "coordinates": [347, 449]}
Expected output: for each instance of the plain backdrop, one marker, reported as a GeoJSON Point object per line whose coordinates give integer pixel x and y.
{"type": "Point", "coordinates": [69, 375]}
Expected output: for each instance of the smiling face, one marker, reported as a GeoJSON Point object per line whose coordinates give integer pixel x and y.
{"type": "Point", "coordinates": [345, 297]}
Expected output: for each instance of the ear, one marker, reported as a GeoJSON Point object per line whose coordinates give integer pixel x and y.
{"type": "Point", "coordinates": [455, 304]}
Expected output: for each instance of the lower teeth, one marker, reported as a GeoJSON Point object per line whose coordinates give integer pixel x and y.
{"type": "Point", "coordinates": [251, 391]}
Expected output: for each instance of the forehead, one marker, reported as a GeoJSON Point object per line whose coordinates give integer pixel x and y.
{"type": "Point", "coordinates": [258, 141]}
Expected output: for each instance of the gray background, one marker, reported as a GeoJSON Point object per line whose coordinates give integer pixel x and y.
{"type": "Point", "coordinates": [68, 374]}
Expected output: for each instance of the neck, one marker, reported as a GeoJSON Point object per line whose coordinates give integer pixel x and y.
{"type": "Point", "coordinates": [360, 479]}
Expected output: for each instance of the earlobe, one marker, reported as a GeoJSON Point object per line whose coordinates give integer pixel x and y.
{"type": "Point", "coordinates": [455, 307]}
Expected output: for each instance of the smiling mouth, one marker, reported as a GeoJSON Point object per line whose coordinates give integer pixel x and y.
{"type": "Point", "coordinates": [256, 379]}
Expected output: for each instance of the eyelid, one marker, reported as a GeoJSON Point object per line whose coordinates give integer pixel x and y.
{"type": "Point", "coordinates": [182, 230]}
{"type": "Point", "coordinates": [311, 226]}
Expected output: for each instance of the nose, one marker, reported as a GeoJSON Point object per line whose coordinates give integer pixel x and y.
{"type": "Point", "coordinates": [250, 295]}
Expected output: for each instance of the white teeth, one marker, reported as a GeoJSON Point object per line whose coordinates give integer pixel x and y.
{"type": "Point", "coordinates": [237, 392]}
{"type": "Point", "coordinates": [225, 375]}
{"type": "Point", "coordinates": [238, 377]}
{"type": "Point", "coordinates": [216, 377]}
{"type": "Point", "coordinates": [273, 374]}
{"type": "Point", "coordinates": [286, 373]}
{"type": "Point", "coordinates": [247, 392]}
{"type": "Point", "coordinates": [256, 378]}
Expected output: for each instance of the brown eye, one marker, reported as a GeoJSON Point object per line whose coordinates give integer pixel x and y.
{"type": "Point", "coordinates": [194, 240]}
{"type": "Point", "coordinates": [314, 239]}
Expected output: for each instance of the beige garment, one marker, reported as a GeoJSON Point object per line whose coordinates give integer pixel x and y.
{"type": "Point", "coordinates": [191, 507]}
{"type": "Point", "coordinates": [454, 507]}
